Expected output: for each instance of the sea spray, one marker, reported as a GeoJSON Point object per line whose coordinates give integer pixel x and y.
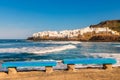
{"type": "Point", "coordinates": [61, 42]}
{"type": "Point", "coordinates": [37, 50]}
{"type": "Point", "coordinates": [55, 49]}
{"type": "Point", "coordinates": [107, 55]}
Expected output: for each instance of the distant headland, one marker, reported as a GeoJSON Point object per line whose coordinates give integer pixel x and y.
{"type": "Point", "coordinates": [106, 31]}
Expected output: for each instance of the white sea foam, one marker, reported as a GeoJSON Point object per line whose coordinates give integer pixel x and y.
{"type": "Point", "coordinates": [103, 55]}
{"type": "Point", "coordinates": [62, 42]}
{"type": "Point", "coordinates": [55, 49]}
{"type": "Point", "coordinates": [117, 46]}
{"type": "Point", "coordinates": [37, 50]}
{"type": "Point", "coordinates": [108, 55]}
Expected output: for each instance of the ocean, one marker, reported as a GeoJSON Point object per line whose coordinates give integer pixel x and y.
{"type": "Point", "coordinates": [23, 50]}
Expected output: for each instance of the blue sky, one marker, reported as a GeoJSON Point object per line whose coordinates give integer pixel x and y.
{"type": "Point", "coordinates": [22, 18]}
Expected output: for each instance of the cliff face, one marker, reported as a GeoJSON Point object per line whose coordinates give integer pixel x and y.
{"type": "Point", "coordinates": [104, 31]}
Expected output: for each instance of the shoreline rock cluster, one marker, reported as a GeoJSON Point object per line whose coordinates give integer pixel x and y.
{"type": "Point", "coordinates": [107, 31]}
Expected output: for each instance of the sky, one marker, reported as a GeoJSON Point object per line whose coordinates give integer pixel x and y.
{"type": "Point", "coordinates": [19, 19]}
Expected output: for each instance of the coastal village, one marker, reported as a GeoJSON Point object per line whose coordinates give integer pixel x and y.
{"type": "Point", "coordinates": [100, 32]}
{"type": "Point", "coordinates": [74, 33]}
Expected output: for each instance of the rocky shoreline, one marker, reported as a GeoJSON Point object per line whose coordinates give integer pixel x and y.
{"type": "Point", "coordinates": [97, 38]}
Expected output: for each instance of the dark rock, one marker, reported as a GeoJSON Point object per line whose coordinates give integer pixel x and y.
{"type": "Point", "coordinates": [105, 38]}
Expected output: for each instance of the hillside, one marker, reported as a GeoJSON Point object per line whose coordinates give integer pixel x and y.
{"type": "Point", "coordinates": [112, 24]}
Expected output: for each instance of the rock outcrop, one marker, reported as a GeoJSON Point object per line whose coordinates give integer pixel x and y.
{"type": "Point", "coordinates": [105, 38]}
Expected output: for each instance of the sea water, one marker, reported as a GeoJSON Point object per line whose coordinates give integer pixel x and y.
{"type": "Point", "coordinates": [24, 50]}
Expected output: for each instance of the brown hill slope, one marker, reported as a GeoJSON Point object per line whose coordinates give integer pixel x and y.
{"type": "Point", "coordinates": [112, 24]}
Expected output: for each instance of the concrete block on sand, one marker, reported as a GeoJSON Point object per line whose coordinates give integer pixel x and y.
{"type": "Point", "coordinates": [71, 67]}
{"type": "Point", "coordinates": [107, 66]}
{"type": "Point", "coordinates": [49, 69]}
{"type": "Point", "coordinates": [12, 71]}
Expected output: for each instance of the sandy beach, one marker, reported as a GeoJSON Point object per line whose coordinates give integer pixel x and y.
{"type": "Point", "coordinates": [80, 74]}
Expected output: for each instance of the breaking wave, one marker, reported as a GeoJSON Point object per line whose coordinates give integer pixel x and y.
{"type": "Point", "coordinates": [62, 42]}
{"type": "Point", "coordinates": [37, 50]}
{"type": "Point", "coordinates": [117, 46]}
{"type": "Point", "coordinates": [108, 55]}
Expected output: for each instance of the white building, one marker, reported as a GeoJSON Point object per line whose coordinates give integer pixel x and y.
{"type": "Point", "coordinates": [72, 33]}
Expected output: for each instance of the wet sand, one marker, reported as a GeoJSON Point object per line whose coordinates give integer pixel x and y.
{"type": "Point", "coordinates": [80, 74]}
